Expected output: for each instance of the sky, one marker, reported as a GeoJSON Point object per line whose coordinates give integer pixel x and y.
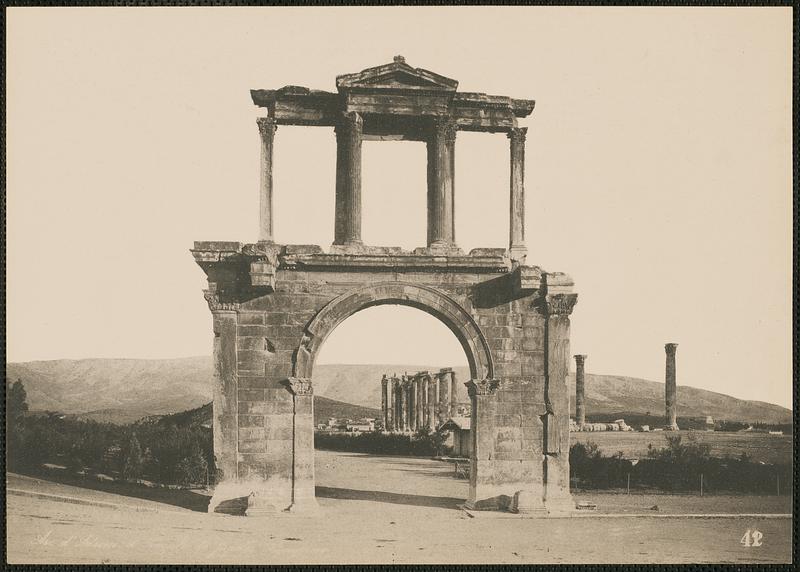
{"type": "Point", "coordinates": [658, 174]}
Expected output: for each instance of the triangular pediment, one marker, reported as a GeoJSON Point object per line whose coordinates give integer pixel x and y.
{"type": "Point", "coordinates": [397, 75]}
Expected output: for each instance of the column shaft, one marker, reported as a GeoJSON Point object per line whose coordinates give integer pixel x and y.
{"type": "Point", "coordinates": [412, 404]}
{"type": "Point", "coordinates": [432, 402]}
{"type": "Point", "coordinates": [517, 203]}
{"type": "Point", "coordinates": [580, 397]}
{"type": "Point", "coordinates": [348, 179]}
{"type": "Point", "coordinates": [441, 197]}
{"type": "Point", "coordinates": [453, 395]}
{"type": "Point", "coordinates": [671, 388]}
{"type": "Point", "coordinates": [438, 401]}
{"type": "Point", "coordinates": [266, 127]}
{"type": "Point", "coordinates": [384, 404]}
{"type": "Point", "coordinates": [390, 407]}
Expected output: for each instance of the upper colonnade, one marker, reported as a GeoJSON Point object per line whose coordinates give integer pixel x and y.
{"type": "Point", "coordinates": [396, 102]}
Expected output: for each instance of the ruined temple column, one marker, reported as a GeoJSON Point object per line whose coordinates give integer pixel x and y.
{"type": "Point", "coordinates": [437, 400]}
{"type": "Point", "coordinates": [385, 403]}
{"type": "Point", "coordinates": [445, 392]}
{"type": "Point", "coordinates": [453, 395]}
{"type": "Point", "coordinates": [398, 404]}
{"type": "Point", "coordinates": [517, 248]}
{"type": "Point", "coordinates": [441, 173]}
{"type": "Point", "coordinates": [412, 404]}
{"type": "Point", "coordinates": [347, 230]}
{"type": "Point", "coordinates": [390, 405]}
{"type": "Point", "coordinates": [580, 398]}
{"type": "Point", "coordinates": [431, 402]}
{"type": "Point", "coordinates": [420, 403]}
{"type": "Point", "coordinates": [266, 127]}
{"type": "Point", "coordinates": [424, 402]}
{"type": "Point", "coordinates": [671, 388]}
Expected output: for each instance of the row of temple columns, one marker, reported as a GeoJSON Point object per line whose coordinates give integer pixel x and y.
{"type": "Point", "coordinates": [670, 389]}
{"type": "Point", "coordinates": [411, 402]}
{"type": "Point", "coordinates": [441, 178]}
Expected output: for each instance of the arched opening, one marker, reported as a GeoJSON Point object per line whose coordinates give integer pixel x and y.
{"type": "Point", "coordinates": [394, 330]}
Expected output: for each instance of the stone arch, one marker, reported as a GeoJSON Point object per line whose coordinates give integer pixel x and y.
{"type": "Point", "coordinates": [427, 299]}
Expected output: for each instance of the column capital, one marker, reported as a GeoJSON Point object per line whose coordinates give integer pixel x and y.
{"type": "Point", "coordinates": [517, 134]}
{"type": "Point", "coordinates": [267, 126]}
{"type": "Point", "coordinates": [446, 128]}
{"type": "Point", "coordinates": [580, 359]}
{"type": "Point", "coordinates": [214, 304]}
{"type": "Point", "coordinates": [482, 386]}
{"type": "Point", "coordinates": [300, 385]}
{"type": "Point", "coordinates": [671, 348]}
{"type": "Point", "coordinates": [349, 122]}
{"type": "Point", "coordinates": [560, 304]}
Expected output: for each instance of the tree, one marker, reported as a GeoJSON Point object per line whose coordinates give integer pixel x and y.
{"type": "Point", "coordinates": [192, 470]}
{"type": "Point", "coordinates": [133, 459]}
{"type": "Point", "coordinates": [17, 400]}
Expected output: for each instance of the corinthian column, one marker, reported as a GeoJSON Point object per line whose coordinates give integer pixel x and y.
{"type": "Point", "coordinates": [266, 127]}
{"type": "Point", "coordinates": [580, 396]}
{"type": "Point", "coordinates": [671, 388]}
{"type": "Point", "coordinates": [517, 247]}
{"type": "Point", "coordinates": [348, 179]}
{"type": "Point", "coordinates": [441, 167]}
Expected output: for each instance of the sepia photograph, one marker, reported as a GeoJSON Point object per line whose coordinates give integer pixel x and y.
{"type": "Point", "coordinates": [399, 285]}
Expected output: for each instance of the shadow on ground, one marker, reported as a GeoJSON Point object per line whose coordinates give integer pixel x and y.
{"type": "Point", "coordinates": [187, 499]}
{"type": "Point", "coordinates": [386, 497]}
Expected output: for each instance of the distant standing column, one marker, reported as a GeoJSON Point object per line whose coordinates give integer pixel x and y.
{"type": "Point", "coordinates": [424, 402]}
{"type": "Point", "coordinates": [453, 395]}
{"type": "Point", "coordinates": [420, 401]}
{"type": "Point", "coordinates": [266, 127]}
{"type": "Point", "coordinates": [412, 404]}
{"type": "Point", "coordinates": [671, 388]}
{"type": "Point", "coordinates": [347, 229]}
{"type": "Point", "coordinates": [444, 407]}
{"type": "Point", "coordinates": [437, 399]}
{"type": "Point", "coordinates": [398, 404]}
{"type": "Point", "coordinates": [517, 247]}
{"type": "Point", "coordinates": [432, 402]}
{"type": "Point", "coordinates": [385, 403]}
{"type": "Point", "coordinates": [390, 405]}
{"type": "Point", "coordinates": [580, 398]}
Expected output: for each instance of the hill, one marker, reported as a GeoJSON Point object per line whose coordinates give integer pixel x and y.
{"type": "Point", "coordinates": [123, 390]}
{"type": "Point", "coordinates": [323, 409]}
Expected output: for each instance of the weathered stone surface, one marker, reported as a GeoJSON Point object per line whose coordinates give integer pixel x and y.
{"type": "Point", "coordinates": [274, 305]}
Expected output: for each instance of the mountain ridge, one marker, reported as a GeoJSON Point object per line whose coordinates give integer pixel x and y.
{"type": "Point", "coordinates": [122, 388]}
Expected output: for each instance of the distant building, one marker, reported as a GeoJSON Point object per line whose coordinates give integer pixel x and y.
{"type": "Point", "coordinates": [459, 438]}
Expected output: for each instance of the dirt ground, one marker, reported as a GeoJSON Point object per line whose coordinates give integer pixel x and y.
{"type": "Point", "coordinates": [759, 446]}
{"type": "Point", "coordinates": [386, 510]}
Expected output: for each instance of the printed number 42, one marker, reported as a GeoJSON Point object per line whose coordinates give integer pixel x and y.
{"type": "Point", "coordinates": [751, 538]}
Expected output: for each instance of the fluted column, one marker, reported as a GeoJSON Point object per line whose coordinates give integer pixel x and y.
{"type": "Point", "coordinates": [438, 401]}
{"type": "Point", "coordinates": [517, 247]}
{"type": "Point", "coordinates": [419, 403]}
{"type": "Point", "coordinates": [385, 403]}
{"type": "Point", "coordinates": [444, 381]}
{"type": "Point", "coordinates": [412, 400]}
{"type": "Point", "coordinates": [441, 176]}
{"type": "Point", "coordinates": [266, 127]}
{"type": "Point", "coordinates": [671, 388]}
{"type": "Point", "coordinates": [348, 179]}
{"type": "Point", "coordinates": [391, 400]}
{"type": "Point", "coordinates": [453, 395]}
{"type": "Point", "coordinates": [432, 402]}
{"type": "Point", "coordinates": [398, 404]}
{"type": "Point", "coordinates": [580, 397]}
{"type": "Point", "coordinates": [425, 389]}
